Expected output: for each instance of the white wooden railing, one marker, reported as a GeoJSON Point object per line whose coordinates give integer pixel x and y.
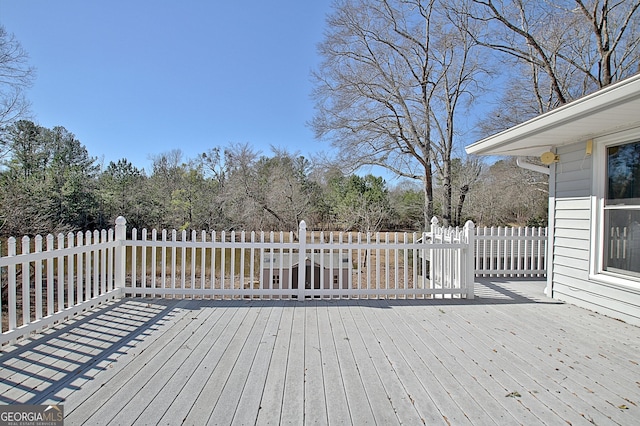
{"type": "Point", "coordinates": [510, 252]}
{"type": "Point", "coordinates": [53, 278]}
{"type": "Point", "coordinates": [240, 264]}
{"type": "Point", "coordinates": [45, 285]}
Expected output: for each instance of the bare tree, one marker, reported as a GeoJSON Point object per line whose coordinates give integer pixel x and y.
{"type": "Point", "coordinates": [390, 86]}
{"type": "Point", "coordinates": [565, 48]}
{"type": "Point", "coordinates": [15, 76]}
{"type": "Point", "coordinates": [465, 176]}
{"type": "Point", "coordinates": [526, 192]}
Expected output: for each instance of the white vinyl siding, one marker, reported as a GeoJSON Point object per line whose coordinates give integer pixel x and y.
{"type": "Point", "coordinates": [572, 217]}
{"type": "Point", "coordinates": [573, 172]}
{"type": "Point", "coordinates": [571, 239]}
{"type": "Point", "coordinates": [572, 242]}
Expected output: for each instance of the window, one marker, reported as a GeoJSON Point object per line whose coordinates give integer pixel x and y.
{"type": "Point", "coordinates": [622, 210]}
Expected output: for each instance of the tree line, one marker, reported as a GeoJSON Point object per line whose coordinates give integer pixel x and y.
{"type": "Point", "coordinates": [50, 183]}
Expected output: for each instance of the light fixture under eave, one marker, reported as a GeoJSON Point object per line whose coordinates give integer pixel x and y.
{"type": "Point", "coordinates": [549, 158]}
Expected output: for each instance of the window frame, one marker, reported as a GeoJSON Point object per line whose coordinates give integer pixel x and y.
{"type": "Point", "coordinates": [598, 207]}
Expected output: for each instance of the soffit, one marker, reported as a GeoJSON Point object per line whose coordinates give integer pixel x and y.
{"type": "Point", "coordinates": [612, 108]}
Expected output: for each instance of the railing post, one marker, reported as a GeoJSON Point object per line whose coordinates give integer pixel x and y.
{"type": "Point", "coordinates": [469, 269]}
{"type": "Point", "coordinates": [302, 263]}
{"type": "Point", "coordinates": [433, 257]}
{"type": "Point", "coordinates": [11, 278]}
{"type": "Point", "coordinates": [120, 254]}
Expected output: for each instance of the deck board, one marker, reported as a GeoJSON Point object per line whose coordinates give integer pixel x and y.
{"type": "Point", "coordinates": [210, 395]}
{"type": "Point", "coordinates": [562, 375]}
{"type": "Point", "coordinates": [182, 402]}
{"type": "Point", "coordinates": [437, 370]}
{"type": "Point", "coordinates": [500, 381]}
{"type": "Point", "coordinates": [394, 389]}
{"type": "Point", "coordinates": [194, 365]}
{"type": "Point", "coordinates": [377, 396]}
{"type": "Point", "coordinates": [315, 403]}
{"type": "Point", "coordinates": [254, 385]}
{"type": "Point", "coordinates": [334, 388]}
{"type": "Point", "coordinates": [244, 387]}
{"type": "Point", "coordinates": [160, 383]}
{"type": "Point", "coordinates": [510, 356]}
{"type": "Point", "coordinates": [273, 391]}
{"type": "Point", "coordinates": [431, 400]}
{"type": "Point", "coordinates": [142, 374]}
{"type": "Point", "coordinates": [293, 397]}
{"type": "Point", "coordinates": [358, 404]}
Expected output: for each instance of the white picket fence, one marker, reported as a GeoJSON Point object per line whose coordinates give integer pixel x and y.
{"type": "Point", "coordinates": [43, 284]}
{"type": "Point", "coordinates": [510, 252]}
{"type": "Point", "coordinates": [315, 264]}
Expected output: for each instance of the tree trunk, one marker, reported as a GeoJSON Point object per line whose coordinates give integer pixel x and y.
{"type": "Point", "coordinates": [446, 181]}
{"type": "Point", "coordinates": [463, 194]}
{"type": "Point", "coordinates": [428, 196]}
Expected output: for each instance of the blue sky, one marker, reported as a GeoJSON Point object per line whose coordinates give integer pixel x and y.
{"type": "Point", "coordinates": [132, 79]}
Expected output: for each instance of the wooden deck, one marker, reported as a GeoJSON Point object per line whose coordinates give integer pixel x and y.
{"type": "Point", "coordinates": [510, 356]}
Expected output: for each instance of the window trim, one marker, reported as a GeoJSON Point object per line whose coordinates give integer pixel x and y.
{"type": "Point", "coordinates": [599, 184]}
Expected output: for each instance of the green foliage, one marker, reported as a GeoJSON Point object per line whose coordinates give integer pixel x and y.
{"type": "Point", "coordinates": [49, 183]}
{"type": "Point", "coordinates": [407, 208]}
{"type": "Point", "coordinates": [121, 193]}
{"type": "Point", "coordinates": [359, 203]}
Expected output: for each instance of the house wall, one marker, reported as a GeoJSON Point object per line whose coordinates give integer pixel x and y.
{"type": "Point", "coordinates": [572, 234]}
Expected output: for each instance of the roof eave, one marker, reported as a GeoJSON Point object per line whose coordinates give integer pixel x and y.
{"type": "Point", "coordinates": [520, 139]}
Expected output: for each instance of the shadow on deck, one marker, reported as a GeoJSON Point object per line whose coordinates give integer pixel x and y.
{"type": "Point", "coordinates": [55, 363]}
{"type": "Point", "coordinates": [51, 362]}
